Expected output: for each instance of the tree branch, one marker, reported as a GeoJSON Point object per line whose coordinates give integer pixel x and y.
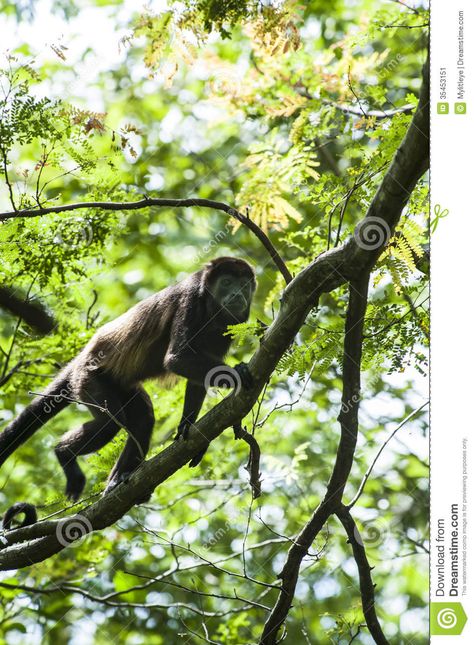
{"type": "Point", "coordinates": [17, 368]}
{"type": "Point", "coordinates": [348, 418]}
{"type": "Point", "coordinates": [386, 207]}
{"type": "Point", "coordinates": [379, 452]}
{"type": "Point", "coordinates": [325, 273]}
{"type": "Point", "coordinates": [147, 202]}
{"type": "Point", "coordinates": [365, 577]}
{"type": "Point", "coordinates": [376, 114]}
{"type": "Point", "coordinates": [253, 463]}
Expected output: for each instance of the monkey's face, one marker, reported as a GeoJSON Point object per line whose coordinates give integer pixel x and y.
{"type": "Point", "coordinates": [233, 295]}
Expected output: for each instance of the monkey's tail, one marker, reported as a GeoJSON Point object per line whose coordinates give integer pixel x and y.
{"type": "Point", "coordinates": [54, 399]}
{"type": "Point", "coordinates": [28, 510]}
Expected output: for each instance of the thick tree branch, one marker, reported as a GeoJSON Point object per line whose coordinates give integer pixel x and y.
{"type": "Point", "coordinates": [147, 202]}
{"type": "Point", "coordinates": [348, 418]}
{"type": "Point", "coordinates": [386, 207]}
{"type": "Point", "coordinates": [27, 545]}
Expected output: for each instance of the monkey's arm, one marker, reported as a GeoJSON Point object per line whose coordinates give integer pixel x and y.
{"type": "Point", "coordinates": [196, 349]}
{"type": "Point", "coordinates": [190, 345]}
{"type": "Point", "coordinates": [193, 400]}
{"type": "Point", "coordinates": [198, 368]}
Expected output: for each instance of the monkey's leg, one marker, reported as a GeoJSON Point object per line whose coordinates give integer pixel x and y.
{"type": "Point", "coordinates": [139, 422]}
{"type": "Point", "coordinates": [193, 400]}
{"type": "Point", "coordinates": [98, 390]}
{"type": "Point", "coordinates": [92, 436]}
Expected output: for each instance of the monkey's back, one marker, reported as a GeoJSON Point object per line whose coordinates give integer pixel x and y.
{"type": "Point", "coordinates": [132, 347]}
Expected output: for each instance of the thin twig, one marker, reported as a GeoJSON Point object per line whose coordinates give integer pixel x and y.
{"type": "Point", "coordinates": [406, 6]}
{"type": "Point", "coordinates": [374, 114]}
{"type": "Point", "coordinates": [148, 202]}
{"type": "Point", "coordinates": [7, 178]}
{"type": "Point", "coordinates": [101, 408]}
{"type": "Point", "coordinates": [349, 82]}
{"type": "Point", "coordinates": [18, 368]}
{"type": "Point", "coordinates": [379, 452]}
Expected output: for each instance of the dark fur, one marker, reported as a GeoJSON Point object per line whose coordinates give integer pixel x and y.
{"type": "Point", "coordinates": [28, 510]}
{"type": "Point", "coordinates": [178, 330]}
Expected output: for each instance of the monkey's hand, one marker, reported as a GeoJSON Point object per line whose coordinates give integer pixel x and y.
{"type": "Point", "coordinates": [183, 431]}
{"type": "Point", "coordinates": [245, 375]}
{"type": "Point", "coordinates": [196, 460]}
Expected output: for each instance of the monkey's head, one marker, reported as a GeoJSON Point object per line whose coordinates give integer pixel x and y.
{"type": "Point", "coordinates": [231, 284]}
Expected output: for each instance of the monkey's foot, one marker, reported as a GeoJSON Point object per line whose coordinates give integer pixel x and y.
{"type": "Point", "coordinates": [183, 432]}
{"type": "Point", "coordinates": [75, 484]}
{"type": "Point", "coordinates": [196, 460]}
{"type": "Point", "coordinates": [238, 430]}
{"type": "Point", "coordinates": [115, 480]}
{"type": "Point", "coordinates": [119, 479]}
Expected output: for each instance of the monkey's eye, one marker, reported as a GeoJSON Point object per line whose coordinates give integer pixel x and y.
{"type": "Point", "coordinates": [226, 282]}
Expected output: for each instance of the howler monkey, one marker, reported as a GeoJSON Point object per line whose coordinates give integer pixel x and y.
{"type": "Point", "coordinates": [178, 330]}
